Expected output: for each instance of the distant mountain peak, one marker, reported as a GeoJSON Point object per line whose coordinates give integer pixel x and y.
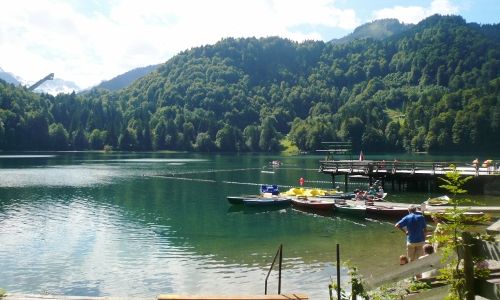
{"type": "Point", "coordinates": [378, 30]}
{"type": "Point", "coordinates": [58, 86]}
{"type": "Point", "coordinates": [9, 77]}
{"type": "Point", "coordinates": [125, 79]}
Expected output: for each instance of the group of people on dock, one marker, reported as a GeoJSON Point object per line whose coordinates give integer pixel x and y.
{"type": "Point", "coordinates": [488, 164]}
{"type": "Point", "coordinates": [373, 193]}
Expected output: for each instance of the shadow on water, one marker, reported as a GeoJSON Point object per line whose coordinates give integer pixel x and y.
{"type": "Point", "coordinates": [241, 208]}
{"type": "Point", "coordinates": [314, 212]}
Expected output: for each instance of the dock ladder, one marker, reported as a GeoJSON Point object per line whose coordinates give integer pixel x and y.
{"type": "Point", "coordinates": [280, 253]}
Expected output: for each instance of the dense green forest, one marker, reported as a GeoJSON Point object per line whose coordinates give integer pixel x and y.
{"type": "Point", "coordinates": [431, 87]}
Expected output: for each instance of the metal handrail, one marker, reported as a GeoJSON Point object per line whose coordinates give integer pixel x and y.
{"type": "Point", "coordinates": [370, 166]}
{"type": "Point", "coordinates": [280, 252]}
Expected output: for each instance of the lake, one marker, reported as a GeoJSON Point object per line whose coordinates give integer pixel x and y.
{"type": "Point", "coordinates": [141, 224]}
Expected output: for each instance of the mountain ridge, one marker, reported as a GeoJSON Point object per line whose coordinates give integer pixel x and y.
{"type": "Point", "coordinates": [433, 87]}
{"type": "Point", "coordinates": [123, 80]}
{"type": "Point", "coordinates": [377, 30]}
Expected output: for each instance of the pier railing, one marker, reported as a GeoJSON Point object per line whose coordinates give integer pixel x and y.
{"type": "Point", "coordinates": [370, 167]}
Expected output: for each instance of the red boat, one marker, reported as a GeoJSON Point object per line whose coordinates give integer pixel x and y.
{"type": "Point", "coordinates": [386, 211]}
{"type": "Point", "coordinates": [314, 204]}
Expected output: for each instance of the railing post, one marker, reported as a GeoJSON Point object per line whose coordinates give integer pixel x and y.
{"type": "Point", "coordinates": [468, 267]}
{"type": "Point", "coordinates": [338, 272]}
{"type": "Point", "coordinates": [279, 272]}
{"type": "Point", "coordinates": [280, 249]}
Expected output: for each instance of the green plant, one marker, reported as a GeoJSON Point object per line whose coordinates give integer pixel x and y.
{"type": "Point", "coordinates": [332, 287]}
{"type": "Point", "coordinates": [456, 221]}
{"type": "Point", "coordinates": [2, 293]}
{"type": "Point", "coordinates": [391, 291]}
{"type": "Point", "coordinates": [355, 281]}
{"type": "Point", "coordinates": [416, 285]}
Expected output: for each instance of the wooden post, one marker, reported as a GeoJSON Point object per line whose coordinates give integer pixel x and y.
{"type": "Point", "coordinates": [338, 271]}
{"type": "Point", "coordinates": [346, 181]}
{"type": "Point", "coordinates": [468, 267]}
{"type": "Point", "coordinates": [279, 274]}
{"type": "Point", "coordinates": [333, 180]}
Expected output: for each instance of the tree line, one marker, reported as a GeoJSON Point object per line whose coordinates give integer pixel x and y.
{"type": "Point", "coordinates": [433, 87]}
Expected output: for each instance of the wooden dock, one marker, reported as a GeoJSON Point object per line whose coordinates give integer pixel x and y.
{"type": "Point", "coordinates": [160, 297]}
{"type": "Point", "coordinates": [432, 208]}
{"type": "Point", "coordinates": [412, 175]}
{"type": "Point", "coordinates": [61, 297]}
{"type": "Point", "coordinates": [235, 297]}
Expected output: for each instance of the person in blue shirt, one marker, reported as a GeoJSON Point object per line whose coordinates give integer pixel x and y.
{"type": "Point", "coordinates": [413, 225]}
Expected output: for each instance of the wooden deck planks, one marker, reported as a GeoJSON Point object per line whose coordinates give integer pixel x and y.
{"type": "Point", "coordinates": [235, 297]}
{"type": "Point", "coordinates": [62, 297]}
{"type": "Point", "coordinates": [160, 297]}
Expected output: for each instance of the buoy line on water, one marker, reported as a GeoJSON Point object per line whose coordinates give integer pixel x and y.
{"type": "Point", "coordinates": [209, 171]}
{"type": "Point", "coordinates": [245, 183]}
{"type": "Point", "coordinates": [185, 178]}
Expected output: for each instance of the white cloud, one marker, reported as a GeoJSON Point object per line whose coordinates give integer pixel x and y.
{"type": "Point", "coordinates": [414, 14]}
{"type": "Point", "coordinates": [44, 36]}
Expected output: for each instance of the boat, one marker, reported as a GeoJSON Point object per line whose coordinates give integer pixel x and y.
{"type": "Point", "coordinates": [263, 201]}
{"type": "Point", "coordinates": [468, 217]}
{"type": "Point", "coordinates": [345, 196]}
{"type": "Point", "coordinates": [313, 192]}
{"type": "Point", "coordinates": [276, 163]}
{"type": "Point", "coordinates": [441, 200]}
{"type": "Point", "coordinates": [268, 172]}
{"type": "Point", "coordinates": [268, 193]}
{"type": "Point", "coordinates": [314, 204]}
{"type": "Point", "coordinates": [351, 210]}
{"type": "Point", "coordinates": [239, 199]}
{"type": "Point", "coordinates": [386, 211]}
{"type": "Point", "coordinates": [269, 189]}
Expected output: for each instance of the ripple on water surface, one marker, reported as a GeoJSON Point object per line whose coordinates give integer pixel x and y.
{"type": "Point", "coordinates": [57, 176]}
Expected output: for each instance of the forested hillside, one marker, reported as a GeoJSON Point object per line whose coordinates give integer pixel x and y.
{"type": "Point", "coordinates": [125, 79]}
{"type": "Point", "coordinates": [432, 87]}
{"type": "Point", "coordinates": [377, 30]}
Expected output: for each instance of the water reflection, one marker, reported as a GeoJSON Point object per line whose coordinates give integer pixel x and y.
{"type": "Point", "coordinates": [26, 156]}
{"type": "Point", "coordinates": [82, 225]}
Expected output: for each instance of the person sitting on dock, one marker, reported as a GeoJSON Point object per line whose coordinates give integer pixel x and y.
{"type": "Point", "coordinates": [359, 195]}
{"type": "Point", "coordinates": [380, 192]}
{"type": "Point", "coordinates": [415, 232]}
{"type": "Point", "coordinates": [372, 191]}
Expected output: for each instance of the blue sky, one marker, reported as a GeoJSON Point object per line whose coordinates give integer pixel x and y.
{"type": "Point", "coordinates": [87, 41]}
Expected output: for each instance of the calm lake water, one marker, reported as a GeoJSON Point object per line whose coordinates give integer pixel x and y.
{"type": "Point", "coordinates": [141, 224]}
